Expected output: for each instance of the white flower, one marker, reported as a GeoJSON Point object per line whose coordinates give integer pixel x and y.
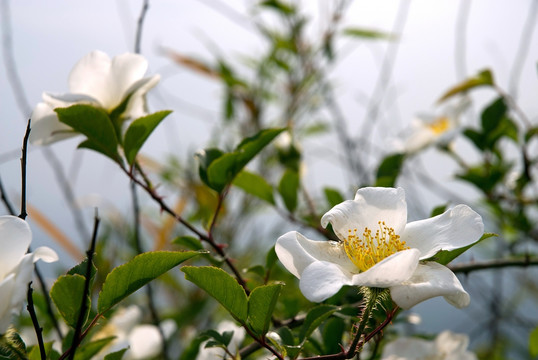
{"type": "Point", "coordinates": [446, 346]}
{"type": "Point", "coordinates": [378, 249]}
{"type": "Point", "coordinates": [214, 353]}
{"type": "Point", "coordinates": [16, 265]}
{"type": "Point", "coordinates": [96, 80]}
{"type": "Point", "coordinates": [428, 129]}
{"type": "Point", "coordinates": [143, 340]}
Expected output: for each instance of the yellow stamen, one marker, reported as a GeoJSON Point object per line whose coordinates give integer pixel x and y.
{"type": "Point", "coordinates": [367, 251]}
{"type": "Point", "coordinates": [440, 125]}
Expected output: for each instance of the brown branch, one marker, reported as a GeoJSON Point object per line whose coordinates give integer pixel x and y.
{"type": "Point", "coordinates": [493, 264]}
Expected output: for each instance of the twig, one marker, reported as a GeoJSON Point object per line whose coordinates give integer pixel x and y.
{"type": "Point", "coordinates": [493, 264]}
{"type": "Point", "coordinates": [140, 24]}
{"type": "Point", "coordinates": [33, 316]}
{"type": "Point", "coordinates": [86, 292]}
{"type": "Point", "coordinates": [23, 213]}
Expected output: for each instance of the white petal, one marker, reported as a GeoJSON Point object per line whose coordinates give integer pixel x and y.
{"type": "Point", "coordinates": [448, 342]}
{"type": "Point", "coordinates": [23, 275]}
{"type": "Point", "coordinates": [15, 237]}
{"type": "Point", "coordinates": [125, 319]}
{"type": "Point", "coordinates": [45, 126]}
{"type": "Point", "coordinates": [391, 271]}
{"type": "Point", "coordinates": [137, 106]}
{"type": "Point", "coordinates": [455, 228]}
{"type": "Point", "coordinates": [126, 70]}
{"type": "Point", "coordinates": [145, 342]}
{"type": "Point", "coordinates": [371, 205]}
{"type": "Point", "coordinates": [321, 280]}
{"type": "Point", "coordinates": [7, 287]}
{"type": "Point", "coordinates": [46, 254]}
{"type": "Point", "coordinates": [296, 252]}
{"type": "Point", "coordinates": [430, 280]}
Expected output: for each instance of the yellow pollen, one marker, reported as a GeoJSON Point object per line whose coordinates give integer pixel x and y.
{"type": "Point", "coordinates": [440, 125]}
{"type": "Point", "coordinates": [367, 251]}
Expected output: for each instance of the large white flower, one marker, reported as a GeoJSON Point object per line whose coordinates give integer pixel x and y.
{"type": "Point", "coordinates": [142, 340]}
{"type": "Point", "coordinates": [446, 346]}
{"type": "Point", "coordinates": [16, 266]}
{"type": "Point", "coordinates": [378, 249]}
{"type": "Point", "coordinates": [100, 81]}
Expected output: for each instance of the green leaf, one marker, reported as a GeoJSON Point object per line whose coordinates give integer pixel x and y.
{"type": "Point", "coordinates": [476, 137]}
{"type": "Point", "coordinates": [333, 196]}
{"type": "Point", "coordinates": [95, 124]}
{"type": "Point", "coordinates": [444, 257]}
{"type": "Point", "coordinates": [87, 350]}
{"type": "Point", "coordinates": [279, 6]}
{"type": "Point", "coordinates": [389, 169]}
{"type": "Point", "coordinates": [206, 157]}
{"type": "Point", "coordinates": [117, 355]}
{"type": "Point", "coordinates": [332, 333]}
{"type": "Point", "coordinates": [314, 318]}
{"type": "Point", "coordinates": [35, 353]}
{"type": "Point", "coordinates": [438, 210]}
{"type": "Point", "coordinates": [261, 303]}
{"type": "Point", "coordinates": [125, 279]}
{"type": "Point", "coordinates": [11, 346]}
{"type": "Point", "coordinates": [138, 132]}
{"type": "Point", "coordinates": [67, 294]}
{"type": "Point", "coordinates": [81, 269]}
{"type": "Point", "coordinates": [222, 170]}
{"type": "Point", "coordinates": [368, 34]}
{"type": "Point", "coordinates": [221, 286]}
{"type": "Point", "coordinates": [492, 115]}
{"type": "Point", "coordinates": [271, 258]}
{"type": "Point", "coordinates": [533, 342]}
{"type": "Point", "coordinates": [288, 188]}
{"type": "Point", "coordinates": [189, 242]}
{"type": "Point", "coordinates": [255, 185]}
{"type": "Point", "coordinates": [484, 78]}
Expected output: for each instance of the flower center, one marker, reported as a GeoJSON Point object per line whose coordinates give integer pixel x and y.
{"type": "Point", "coordinates": [440, 125]}
{"type": "Point", "coordinates": [368, 250]}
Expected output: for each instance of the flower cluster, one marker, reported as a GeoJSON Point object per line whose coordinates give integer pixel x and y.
{"type": "Point", "coordinates": [16, 265]}
{"type": "Point", "coordinates": [379, 249]}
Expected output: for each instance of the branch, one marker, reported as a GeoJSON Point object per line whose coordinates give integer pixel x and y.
{"type": "Point", "coordinates": [23, 213]}
{"type": "Point", "coordinates": [33, 316]}
{"type": "Point", "coordinates": [143, 13]}
{"type": "Point", "coordinates": [493, 264]}
{"type": "Point", "coordinates": [86, 293]}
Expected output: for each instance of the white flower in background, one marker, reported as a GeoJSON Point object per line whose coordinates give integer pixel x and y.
{"type": "Point", "coordinates": [99, 81]}
{"type": "Point", "coordinates": [428, 129]}
{"type": "Point", "coordinates": [16, 266]}
{"type": "Point", "coordinates": [214, 353]}
{"type": "Point", "coordinates": [378, 249]}
{"type": "Point", "coordinates": [143, 340]}
{"type": "Point", "coordinates": [446, 346]}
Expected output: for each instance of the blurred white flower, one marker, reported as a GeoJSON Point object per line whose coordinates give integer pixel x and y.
{"type": "Point", "coordinates": [215, 353]}
{"type": "Point", "coordinates": [446, 346]}
{"type": "Point", "coordinates": [16, 266]}
{"type": "Point", "coordinates": [142, 340]}
{"type": "Point", "coordinates": [378, 249]}
{"type": "Point", "coordinates": [100, 81]}
{"type": "Point", "coordinates": [428, 129]}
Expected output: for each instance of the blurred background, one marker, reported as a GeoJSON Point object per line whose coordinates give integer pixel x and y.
{"type": "Point", "coordinates": [379, 66]}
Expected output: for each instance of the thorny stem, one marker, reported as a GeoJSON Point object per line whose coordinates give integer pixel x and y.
{"type": "Point", "coordinates": [207, 238]}
{"type": "Point", "coordinates": [493, 264]}
{"type": "Point", "coordinates": [371, 302]}
{"type": "Point", "coordinates": [143, 13]}
{"type": "Point", "coordinates": [35, 322]}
